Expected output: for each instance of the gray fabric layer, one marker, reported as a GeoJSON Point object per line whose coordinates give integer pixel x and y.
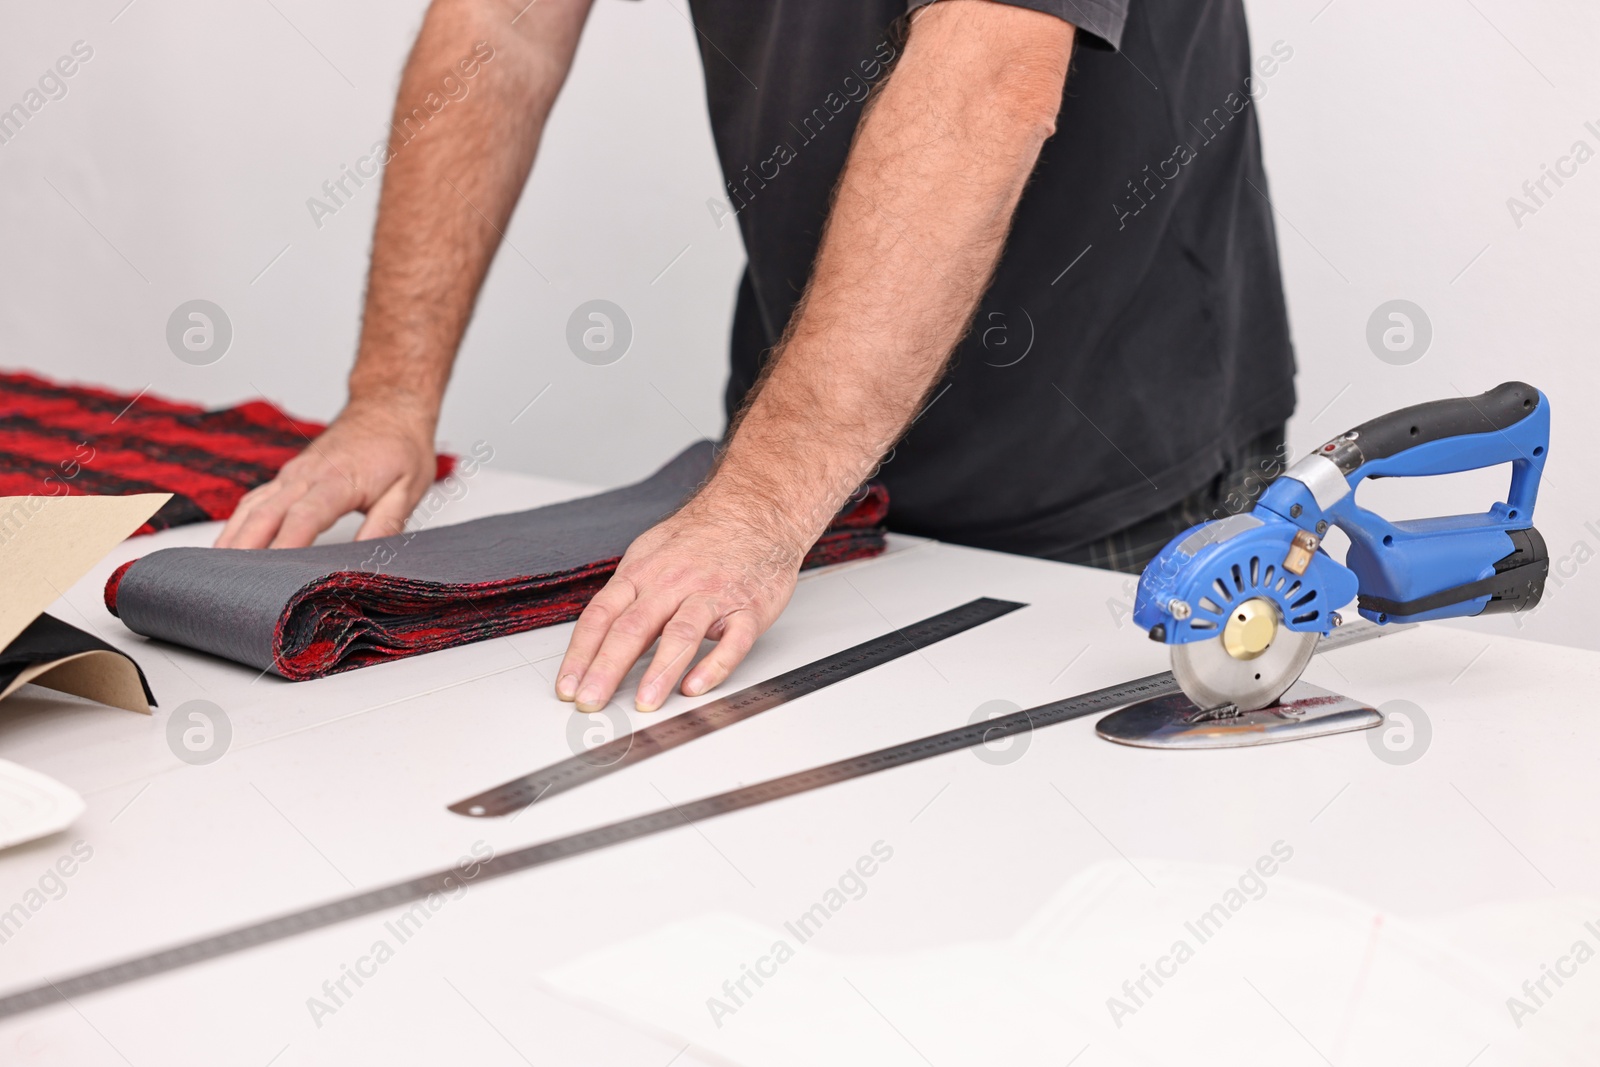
{"type": "Point", "coordinates": [229, 601]}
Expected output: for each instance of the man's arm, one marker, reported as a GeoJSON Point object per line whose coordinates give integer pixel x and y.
{"type": "Point", "coordinates": [448, 192]}
{"type": "Point", "coordinates": [919, 218]}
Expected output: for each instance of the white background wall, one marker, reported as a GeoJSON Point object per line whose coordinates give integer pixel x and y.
{"type": "Point", "coordinates": [179, 163]}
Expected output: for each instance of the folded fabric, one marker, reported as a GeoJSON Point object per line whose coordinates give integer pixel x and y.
{"type": "Point", "coordinates": [57, 439]}
{"type": "Point", "coordinates": [307, 612]}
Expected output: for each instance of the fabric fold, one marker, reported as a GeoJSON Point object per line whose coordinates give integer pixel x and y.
{"type": "Point", "coordinates": [305, 613]}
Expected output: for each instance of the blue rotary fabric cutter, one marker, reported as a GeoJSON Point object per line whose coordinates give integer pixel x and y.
{"type": "Point", "coordinates": [1241, 601]}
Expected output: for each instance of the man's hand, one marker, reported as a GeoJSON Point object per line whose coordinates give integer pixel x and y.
{"type": "Point", "coordinates": [917, 225]}
{"type": "Point", "coordinates": [714, 570]}
{"type": "Point", "coordinates": [368, 460]}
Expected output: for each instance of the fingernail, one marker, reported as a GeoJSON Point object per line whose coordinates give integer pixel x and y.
{"type": "Point", "coordinates": [567, 686]}
{"type": "Point", "coordinates": [589, 700]}
{"type": "Point", "coordinates": [648, 698]}
{"type": "Point", "coordinates": [694, 686]}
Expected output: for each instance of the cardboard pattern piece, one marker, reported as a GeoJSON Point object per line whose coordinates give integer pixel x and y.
{"type": "Point", "coordinates": [46, 544]}
{"type": "Point", "coordinates": [52, 654]}
{"type": "Point", "coordinates": [94, 675]}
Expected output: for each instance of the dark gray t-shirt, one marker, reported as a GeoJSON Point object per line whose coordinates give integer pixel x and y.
{"type": "Point", "coordinates": [1135, 331]}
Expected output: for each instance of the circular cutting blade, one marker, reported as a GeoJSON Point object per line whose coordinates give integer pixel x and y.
{"type": "Point", "coordinates": [1211, 677]}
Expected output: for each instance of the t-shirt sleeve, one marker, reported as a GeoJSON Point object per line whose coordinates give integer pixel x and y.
{"type": "Point", "coordinates": [1101, 18]}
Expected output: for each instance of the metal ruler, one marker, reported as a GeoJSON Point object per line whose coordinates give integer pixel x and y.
{"type": "Point", "coordinates": [631, 748]}
{"type": "Point", "coordinates": [452, 879]}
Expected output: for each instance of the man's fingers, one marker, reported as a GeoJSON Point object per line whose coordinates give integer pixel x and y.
{"type": "Point", "coordinates": [364, 461]}
{"type": "Point", "coordinates": [680, 640]}
{"type": "Point", "coordinates": [260, 523]}
{"type": "Point", "coordinates": [593, 625]}
{"type": "Point", "coordinates": [739, 633]}
{"type": "Point", "coordinates": [388, 516]}
{"type": "Point", "coordinates": [230, 531]}
{"type": "Point", "coordinates": [318, 508]}
{"type": "Point", "coordinates": [631, 633]}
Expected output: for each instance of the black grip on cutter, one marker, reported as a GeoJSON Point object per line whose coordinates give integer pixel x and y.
{"type": "Point", "coordinates": [1501, 407]}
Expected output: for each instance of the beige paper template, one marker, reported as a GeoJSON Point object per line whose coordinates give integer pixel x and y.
{"type": "Point", "coordinates": [49, 542]}
{"type": "Point", "coordinates": [46, 544]}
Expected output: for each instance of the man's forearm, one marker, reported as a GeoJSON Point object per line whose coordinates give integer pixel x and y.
{"type": "Point", "coordinates": [451, 183]}
{"type": "Point", "coordinates": [919, 220]}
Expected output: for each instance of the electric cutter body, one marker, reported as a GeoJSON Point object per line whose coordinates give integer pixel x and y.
{"type": "Point", "coordinates": [1405, 571]}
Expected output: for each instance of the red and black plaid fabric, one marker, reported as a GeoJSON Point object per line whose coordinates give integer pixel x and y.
{"type": "Point", "coordinates": [57, 439]}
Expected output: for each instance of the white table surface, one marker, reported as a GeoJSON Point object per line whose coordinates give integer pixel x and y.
{"type": "Point", "coordinates": [341, 784]}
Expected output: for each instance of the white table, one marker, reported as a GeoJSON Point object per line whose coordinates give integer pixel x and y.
{"type": "Point", "coordinates": [1413, 890]}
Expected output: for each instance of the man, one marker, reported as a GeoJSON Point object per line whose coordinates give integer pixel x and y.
{"type": "Point", "coordinates": [1146, 364]}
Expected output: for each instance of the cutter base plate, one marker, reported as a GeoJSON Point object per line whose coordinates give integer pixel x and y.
{"type": "Point", "coordinates": [1175, 721]}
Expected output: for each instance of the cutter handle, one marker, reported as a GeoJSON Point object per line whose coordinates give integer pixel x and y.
{"type": "Point", "coordinates": [1498, 409]}
{"type": "Point", "coordinates": [1508, 424]}
{"type": "Point", "coordinates": [1452, 565]}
